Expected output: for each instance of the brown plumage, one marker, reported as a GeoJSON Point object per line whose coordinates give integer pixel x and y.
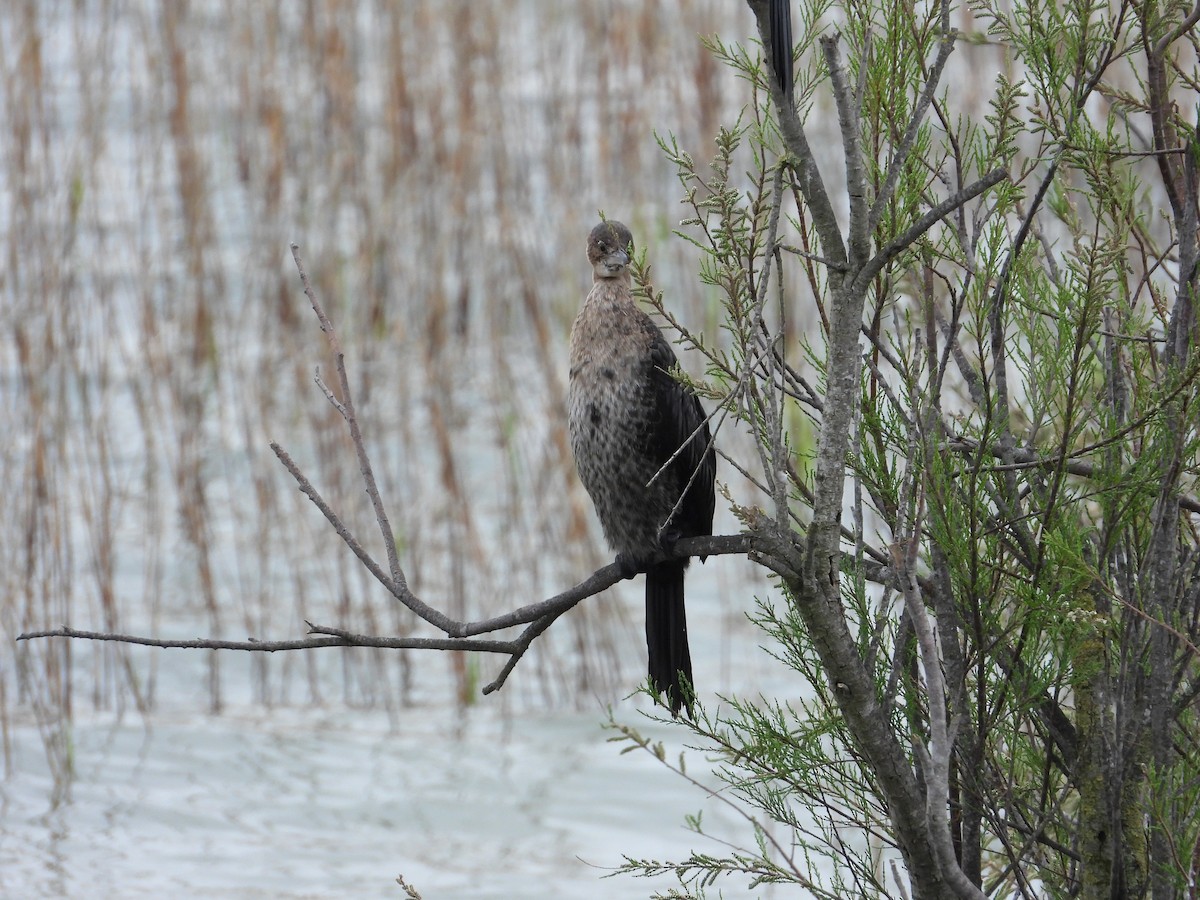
{"type": "Point", "coordinates": [628, 417]}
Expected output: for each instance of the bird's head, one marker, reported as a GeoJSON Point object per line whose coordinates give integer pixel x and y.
{"type": "Point", "coordinates": [609, 247]}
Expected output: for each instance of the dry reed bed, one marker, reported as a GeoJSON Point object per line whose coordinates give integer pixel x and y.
{"type": "Point", "coordinates": [439, 164]}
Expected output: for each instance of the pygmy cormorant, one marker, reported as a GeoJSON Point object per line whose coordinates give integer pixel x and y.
{"type": "Point", "coordinates": [628, 417]}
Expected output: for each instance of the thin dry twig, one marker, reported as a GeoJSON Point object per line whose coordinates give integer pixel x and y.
{"type": "Point", "coordinates": [329, 637]}
{"type": "Point", "coordinates": [346, 408]}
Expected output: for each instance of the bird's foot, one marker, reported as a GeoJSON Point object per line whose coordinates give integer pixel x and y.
{"type": "Point", "coordinates": [668, 538]}
{"type": "Point", "coordinates": [629, 565]}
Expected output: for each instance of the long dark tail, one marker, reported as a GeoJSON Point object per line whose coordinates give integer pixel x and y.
{"type": "Point", "coordinates": [666, 635]}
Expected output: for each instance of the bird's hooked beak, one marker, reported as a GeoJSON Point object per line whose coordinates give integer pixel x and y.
{"type": "Point", "coordinates": [616, 261]}
{"type": "Point", "coordinates": [612, 264]}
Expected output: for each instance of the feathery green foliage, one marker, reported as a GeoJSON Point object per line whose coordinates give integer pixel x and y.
{"type": "Point", "coordinates": [997, 680]}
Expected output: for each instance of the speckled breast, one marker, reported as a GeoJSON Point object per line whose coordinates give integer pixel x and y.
{"type": "Point", "coordinates": [613, 415]}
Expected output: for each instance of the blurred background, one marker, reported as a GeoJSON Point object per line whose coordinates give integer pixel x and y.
{"type": "Point", "coordinates": [439, 165]}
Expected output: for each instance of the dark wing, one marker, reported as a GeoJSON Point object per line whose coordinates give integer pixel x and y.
{"type": "Point", "coordinates": [780, 15]}
{"type": "Point", "coordinates": [681, 419]}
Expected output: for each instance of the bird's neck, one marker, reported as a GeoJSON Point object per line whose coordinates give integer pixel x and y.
{"type": "Point", "coordinates": [612, 290]}
{"type": "Point", "coordinates": [608, 323]}
{"type": "Point", "coordinates": [622, 280]}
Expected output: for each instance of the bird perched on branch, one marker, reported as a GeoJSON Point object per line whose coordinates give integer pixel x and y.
{"type": "Point", "coordinates": [643, 450]}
